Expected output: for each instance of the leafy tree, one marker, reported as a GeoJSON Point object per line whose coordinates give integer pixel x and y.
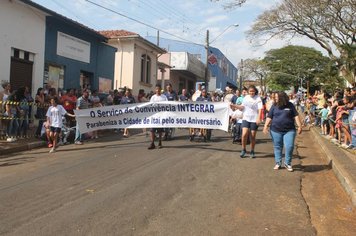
{"type": "Point", "coordinates": [255, 69]}
{"type": "Point", "coordinates": [330, 23]}
{"type": "Point", "coordinates": [296, 65]}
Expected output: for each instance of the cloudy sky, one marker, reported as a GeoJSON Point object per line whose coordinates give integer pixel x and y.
{"type": "Point", "coordinates": [184, 20]}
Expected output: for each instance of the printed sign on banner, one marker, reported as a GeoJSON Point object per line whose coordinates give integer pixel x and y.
{"type": "Point", "coordinates": [166, 114]}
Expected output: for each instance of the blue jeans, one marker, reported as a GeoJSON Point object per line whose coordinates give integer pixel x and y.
{"type": "Point", "coordinates": [352, 128]}
{"type": "Point", "coordinates": [78, 136]}
{"type": "Point", "coordinates": [13, 127]}
{"type": "Point", "coordinates": [286, 140]}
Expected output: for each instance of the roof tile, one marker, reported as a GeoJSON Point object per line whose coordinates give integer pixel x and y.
{"type": "Point", "coordinates": [116, 33]}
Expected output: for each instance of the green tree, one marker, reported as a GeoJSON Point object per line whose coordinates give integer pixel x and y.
{"type": "Point", "coordinates": [330, 23]}
{"type": "Point", "coordinates": [298, 65]}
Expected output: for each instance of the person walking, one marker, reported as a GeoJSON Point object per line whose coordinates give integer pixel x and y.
{"type": "Point", "coordinates": [82, 103]}
{"type": "Point", "coordinates": [157, 97]}
{"type": "Point", "coordinates": [54, 121]}
{"type": "Point", "coordinates": [127, 99]}
{"type": "Point", "coordinates": [252, 108]}
{"type": "Point", "coordinates": [282, 118]}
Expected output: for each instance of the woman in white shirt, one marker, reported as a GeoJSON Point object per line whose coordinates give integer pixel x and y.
{"type": "Point", "coordinates": [252, 108]}
{"type": "Point", "coordinates": [54, 121]}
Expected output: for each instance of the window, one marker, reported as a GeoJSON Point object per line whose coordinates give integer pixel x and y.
{"type": "Point", "coordinates": [145, 69]}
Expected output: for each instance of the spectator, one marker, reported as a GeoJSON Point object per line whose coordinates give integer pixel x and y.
{"type": "Point", "coordinates": [11, 113]}
{"type": "Point", "coordinates": [4, 95]}
{"type": "Point", "coordinates": [68, 102]}
{"type": "Point", "coordinates": [324, 119]}
{"type": "Point", "coordinates": [40, 99]}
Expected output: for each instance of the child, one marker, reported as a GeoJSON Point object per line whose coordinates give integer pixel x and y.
{"type": "Point", "coordinates": [54, 121]}
{"type": "Point", "coordinates": [236, 119]}
{"type": "Point", "coordinates": [324, 119]}
{"type": "Point", "coordinates": [307, 120]}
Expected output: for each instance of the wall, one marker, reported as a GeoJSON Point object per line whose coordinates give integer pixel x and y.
{"type": "Point", "coordinates": [98, 52]}
{"type": "Point", "coordinates": [22, 27]}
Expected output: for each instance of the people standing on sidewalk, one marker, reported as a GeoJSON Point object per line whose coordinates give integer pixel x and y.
{"type": "Point", "coordinates": [41, 108]}
{"type": "Point", "coordinates": [24, 112]}
{"type": "Point", "coordinates": [252, 108]}
{"type": "Point", "coordinates": [157, 97]}
{"type": "Point", "coordinates": [12, 114]}
{"type": "Point", "coordinates": [69, 101]}
{"type": "Point", "coordinates": [282, 118]}
{"type": "Point", "coordinates": [323, 113]}
{"type": "Point", "coordinates": [4, 122]}
{"type": "Point", "coordinates": [82, 103]}
{"type": "Point", "coordinates": [54, 121]}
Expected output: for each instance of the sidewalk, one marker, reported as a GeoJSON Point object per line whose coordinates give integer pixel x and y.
{"type": "Point", "coordinates": [343, 163]}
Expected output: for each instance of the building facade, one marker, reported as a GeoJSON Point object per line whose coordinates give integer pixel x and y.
{"type": "Point", "coordinates": [22, 44]}
{"type": "Point", "coordinates": [136, 62]}
{"type": "Point", "coordinates": [221, 72]}
{"type": "Point", "coordinates": [40, 47]}
{"type": "Point", "coordinates": [77, 57]}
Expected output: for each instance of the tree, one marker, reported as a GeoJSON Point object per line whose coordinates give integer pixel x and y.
{"type": "Point", "coordinates": [298, 66]}
{"type": "Point", "coordinates": [255, 69]}
{"type": "Point", "coordinates": [330, 23]}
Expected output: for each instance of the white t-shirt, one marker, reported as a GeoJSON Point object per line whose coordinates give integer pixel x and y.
{"type": "Point", "coordinates": [156, 98]}
{"type": "Point", "coordinates": [55, 115]}
{"type": "Point", "coordinates": [251, 107]}
{"type": "Point", "coordinates": [237, 114]}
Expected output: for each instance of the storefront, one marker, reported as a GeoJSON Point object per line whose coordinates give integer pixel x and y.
{"type": "Point", "coordinates": [77, 57]}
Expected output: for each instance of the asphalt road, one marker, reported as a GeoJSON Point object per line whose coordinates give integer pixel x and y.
{"type": "Point", "coordinates": [115, 186]}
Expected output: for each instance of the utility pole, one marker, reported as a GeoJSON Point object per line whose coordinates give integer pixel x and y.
{"type": "Point", "coordinates": [241, 73]}
{"type": "Point", "coordinates": [207, 57]}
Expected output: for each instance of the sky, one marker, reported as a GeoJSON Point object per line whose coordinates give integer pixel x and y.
{"type": "Point", "coordinates": [184, 20]}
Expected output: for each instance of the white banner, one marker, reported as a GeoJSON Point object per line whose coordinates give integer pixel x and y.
{"type": "Point", "coordinates": [167, 114]}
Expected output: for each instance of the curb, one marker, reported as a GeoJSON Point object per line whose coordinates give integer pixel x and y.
{"type": "Point", "coordinates": [343, 167]}
{"type": "Point", "coordinates": [28, 146]}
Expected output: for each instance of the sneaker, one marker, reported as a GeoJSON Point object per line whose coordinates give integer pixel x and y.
{"type": "Point", "coordinates": [243, 153]}
{"type": "Point", "coordinates": [78, 143]}
{"type": "Point", "coordinates": [9, 140]}
{"type": "Point", "coordinates": [252, 154]}
{"type": "Point", "coordinates": [344, 146]}
{"type": "Point", "coordinates": [288, 167]}
{"type": "Point", "coordinates": [50, 145]}
{"type": "Point", "coordinates": [52, 150]}
{"type": "Point", "coordinates": [152, 146]}
{"type": "Point", "coordinates": [277, 166]}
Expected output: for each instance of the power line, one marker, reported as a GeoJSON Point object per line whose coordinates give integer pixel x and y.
{"type": "Point", "coordinates": [138, 21]}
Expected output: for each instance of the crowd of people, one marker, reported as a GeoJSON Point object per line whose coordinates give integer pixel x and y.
{"type": "Point", "coordinates": [335, 115]}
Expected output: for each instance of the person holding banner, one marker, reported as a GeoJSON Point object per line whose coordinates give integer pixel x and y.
{"type": "Point", "coordinates": [206, 133]}
{"type": "Point", "coordinates": [82, 103]}
{"type": "Point", "coordinates": [157, 97]}
{"type": "Point", "coordinates": [54, 121]}
{"type": "Point", "coordinates": [127, 99]}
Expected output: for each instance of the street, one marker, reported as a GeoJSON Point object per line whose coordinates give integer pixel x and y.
{"type": "Point", "coordinates": [115, 186]}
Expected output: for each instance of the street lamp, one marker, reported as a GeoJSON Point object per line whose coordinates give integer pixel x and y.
{"type": "Point", "coordinates": [207, 51]}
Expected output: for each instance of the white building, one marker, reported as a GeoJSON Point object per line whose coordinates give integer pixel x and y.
{"type": "Point", "coordinates": [22, 44]}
